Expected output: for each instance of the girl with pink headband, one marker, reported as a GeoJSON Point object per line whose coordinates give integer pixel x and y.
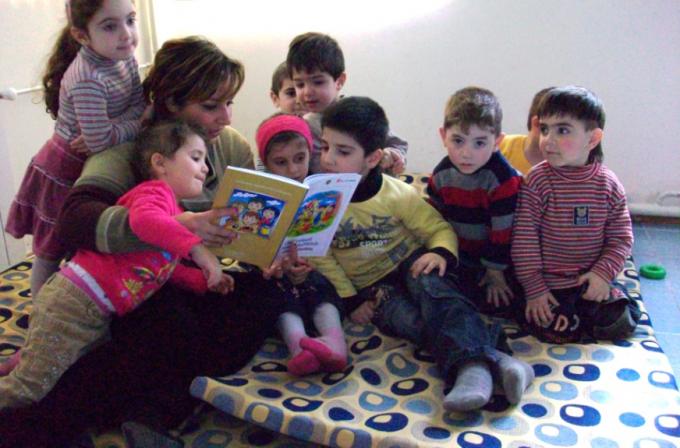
{"type": "Point", "coordinates": [284, 145]}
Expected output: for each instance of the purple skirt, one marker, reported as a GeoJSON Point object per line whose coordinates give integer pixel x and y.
{"type": "Point", "coordinates": [47, 181]}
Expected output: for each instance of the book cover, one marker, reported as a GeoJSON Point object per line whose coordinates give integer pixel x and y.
{"type": "Point", "coordinates": [267, 210]}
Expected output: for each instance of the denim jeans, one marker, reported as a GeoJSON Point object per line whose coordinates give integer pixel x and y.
{"type": "Point", "coordinates": [432, 312]}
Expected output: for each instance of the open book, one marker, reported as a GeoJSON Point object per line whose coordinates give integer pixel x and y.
{"type": "Point", "coordinates": [269, 212]}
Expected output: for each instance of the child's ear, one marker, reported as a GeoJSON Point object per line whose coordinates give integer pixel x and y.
{"type": "Point", "coordinates": [79, 35]}
{"type": "Point", "coordinates": [157, 163]}
{"type": "Point", "coordinates": [374, 158]}
{"type": "Point", "coordinates": [340, 82]}
{"type": "Point", "coordinates": [534, 123]}
{"type": "Point", "coordinates": [498, 141]}
{"type": "Point", "coordinates": [595, 138]}
{"type": "Point", "coordinates": [442, 134]}
{"type": "Point", "coordinates": [274, 97]}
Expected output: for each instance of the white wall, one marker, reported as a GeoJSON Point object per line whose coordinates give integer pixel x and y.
{"type": "Point", "coordinates": [26, 35]}
{"type": "Point", "coordinates": [410, 55]}
{"type": "Point", "coordinates": [624, 50]}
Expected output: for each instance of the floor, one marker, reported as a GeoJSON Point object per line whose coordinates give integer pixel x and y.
{"type": "Point", "coordinates": [660, 244]}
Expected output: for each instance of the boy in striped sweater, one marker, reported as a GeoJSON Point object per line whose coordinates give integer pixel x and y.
{"type": "Point", "coordinates": [573, 232]}
{"type": "Point", "coordinates": [475, 189]}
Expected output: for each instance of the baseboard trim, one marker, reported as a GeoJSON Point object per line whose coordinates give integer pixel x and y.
{"type": "Point", "coordinates": [650, 219]}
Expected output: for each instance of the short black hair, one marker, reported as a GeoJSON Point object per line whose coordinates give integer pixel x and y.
{"type": "Point", "coordinates": [360, 117]}
{"type": "Point", "coordinates": [473, 106]}
{"type": "Point", "coordinates": [579, 103]}
{"type": "Point", "coordinates": [315, 51]}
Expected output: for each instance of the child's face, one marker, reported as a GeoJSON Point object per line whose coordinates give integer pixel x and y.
{"type": "Point", "coordinates": [285, 99]}
{"type": "Point", "coordinates": [289, 159]}
{"type": "Point", "coordinates": [112, 31]}
{"type": "Point", "coordinates": [340, 153]}
{"type": "Point", "coordinates": [186, 170]}
{"type": "Point", "coordinates": [469, 151]}
{"type": "Point", "coordinates": [565, 141]}
{"type": "Point", "coordinates": [316, 90]}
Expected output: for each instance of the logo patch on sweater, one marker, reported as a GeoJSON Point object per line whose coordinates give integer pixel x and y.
{"type": "Point", "coordinates": [581, 215]}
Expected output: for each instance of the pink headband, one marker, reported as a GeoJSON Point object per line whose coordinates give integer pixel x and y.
{"type": "Point", "coordinates": [278, 124]}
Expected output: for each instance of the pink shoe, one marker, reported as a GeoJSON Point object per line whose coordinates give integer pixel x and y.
{"type": "Point", "coordinates": [303, 364]}
{"type": "Point", "coordinates": [330, 361]}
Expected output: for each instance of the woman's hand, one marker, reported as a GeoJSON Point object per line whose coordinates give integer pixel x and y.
{"type": "Point", "coordinates": [204, 224]}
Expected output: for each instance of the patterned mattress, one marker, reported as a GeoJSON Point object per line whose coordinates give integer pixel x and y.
{"type": "Point", "coordinates": [599, 395]}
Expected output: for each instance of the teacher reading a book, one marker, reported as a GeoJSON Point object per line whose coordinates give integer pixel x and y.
{"type": "Point", "coordinates": [140, 378]}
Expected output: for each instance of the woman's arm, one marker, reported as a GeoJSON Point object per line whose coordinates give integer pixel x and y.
{"type": "Point", "coordinates": [85, 208]}
{"type": "Point", "coordinates": [89, 218]}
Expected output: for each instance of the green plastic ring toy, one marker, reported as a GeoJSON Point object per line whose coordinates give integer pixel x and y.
{"type": "Point", "coordinates": [653, 271]}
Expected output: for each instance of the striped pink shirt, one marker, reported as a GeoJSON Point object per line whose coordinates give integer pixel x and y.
{"type": "Point", "coordinates": [101, 99]}
{"type": "Point", "coordinates": [569, 221]}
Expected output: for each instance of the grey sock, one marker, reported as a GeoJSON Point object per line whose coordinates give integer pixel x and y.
{"type": "Point", "coordinates": [141, 436]}
{"type": "Point", "coordinates": [472, 388]}
{"type": "Point", "coordinates": [516, 375]}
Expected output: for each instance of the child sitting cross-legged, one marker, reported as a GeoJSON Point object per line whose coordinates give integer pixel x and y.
{"type": "Point", "coordinates": [284, 143]}
{"type": "Point", "coordinates": [476, 189]}
{"type": "Point", "coordinates": [572, 230]}
{"type": "Point", "coordinates": [388, 262]}
{"type": "Point", "coordinates": [73, 309]}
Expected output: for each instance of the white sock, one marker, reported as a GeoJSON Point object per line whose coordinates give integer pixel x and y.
{"type": "Point", "coordinates": [292, 329]}
{"type": "Point", "coordinates": [327, 321]}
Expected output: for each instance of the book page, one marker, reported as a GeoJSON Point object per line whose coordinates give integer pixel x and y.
{"type": "Point", "coordinates": [320, 213]}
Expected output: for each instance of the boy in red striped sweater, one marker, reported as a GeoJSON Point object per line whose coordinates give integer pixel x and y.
{"type": "Point", "coordinates": [572, 231]}
{"type": "Point", "coordinates": [475, 189]}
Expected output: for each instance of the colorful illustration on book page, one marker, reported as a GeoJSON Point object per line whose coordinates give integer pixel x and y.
{"type": "Point", "coordinates": [316, 213]}
{"type": "Point", "coordinates": [253, 213]}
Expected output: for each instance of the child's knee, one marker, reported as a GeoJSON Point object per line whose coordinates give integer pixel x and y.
{"type": "Point", "coordinates": [616, 320]}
